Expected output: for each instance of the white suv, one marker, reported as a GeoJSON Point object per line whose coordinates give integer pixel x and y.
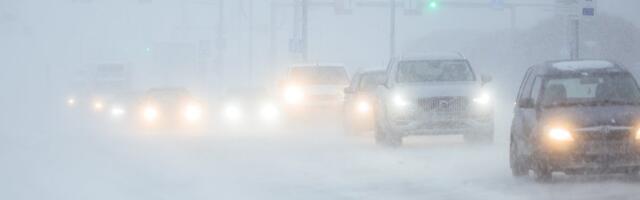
{"type": "Point", "coordinates": [435, 94]}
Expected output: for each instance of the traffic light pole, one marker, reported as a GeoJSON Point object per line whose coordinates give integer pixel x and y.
{"type": "Point", "coordinates": [304, 34]}
{"type": "Point", "coordinates": [392, 28]}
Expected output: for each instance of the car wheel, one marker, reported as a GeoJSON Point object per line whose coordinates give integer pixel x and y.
{"type": "Point", "coordinates": [385, 138]}
{"type": "Point", "coordinates": [517, 163]}
{"type": "Point", "coordinates": [542, 173]}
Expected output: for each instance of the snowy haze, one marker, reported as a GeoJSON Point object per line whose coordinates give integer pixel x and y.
{"type": "Point", "coordinates": [50, 152]}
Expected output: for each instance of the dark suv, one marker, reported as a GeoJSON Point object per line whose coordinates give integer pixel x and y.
{"type": "Point", "coordinates": [576, 117]}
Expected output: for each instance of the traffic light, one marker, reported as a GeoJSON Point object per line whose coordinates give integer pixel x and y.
{"type": "Point", "coordinates": [432, 4]}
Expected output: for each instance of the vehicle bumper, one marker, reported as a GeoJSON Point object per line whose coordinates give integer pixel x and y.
{"type": "Point", "coordinates": [601, 157]}
{"type": "Point", "coordinates": [442, 125]}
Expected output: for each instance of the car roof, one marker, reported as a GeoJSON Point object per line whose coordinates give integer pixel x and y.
{"type": "Point", "coordinates": [318, 65]}
{"type": "Point", "coordinates": [577, 66]}
{"type": "Point", "coordinates": [432, 56]}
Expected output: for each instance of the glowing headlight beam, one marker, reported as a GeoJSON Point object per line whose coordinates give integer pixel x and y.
{"type": "Point", "coordinates": [400, 101]}
{"type": "Point", "coordinates": [192, 112]}
{"type": "Point", "coordinates": [482, 99]}
{"type": "Point", "coordinates": [363, 107]}
{"type": "Point", "coordinates": [71, 102]}
{"type": "Point", "coordinates": [638, 135]}
{"type": "Point", "coordinates": [117, 111]}
{"type": "Point", "coordinates": [560, 134]}
{"type": "Point", "coordinates": [293, 95]}
{"type": "Point", "coordinates": [150, 113]}
{"type": "Point", "coordinates": [98, 106]}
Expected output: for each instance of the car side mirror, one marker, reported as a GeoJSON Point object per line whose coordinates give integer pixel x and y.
{"type": "Point", "coordinates": [526, 103]}
{"type": "Point", "coordinates": [485, 79]}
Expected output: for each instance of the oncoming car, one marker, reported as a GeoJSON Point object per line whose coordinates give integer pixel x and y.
{"type": "Point", "coordinates": [433, 94]}
{"type": "Point", "coordinates": [170, 108]}
{"type": "Point", "coordinates": [314, 88]}
{"type": "Point", "coordinates": [576, 117]}
{"type": "Point", "coordinates": [249, 106]}
{"type": "Point", "coordinates": [359, 100]}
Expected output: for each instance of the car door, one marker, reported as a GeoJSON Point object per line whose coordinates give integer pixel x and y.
{"type": "Point", "coordinates": [527, 111]}
{"type": "Point", "coordinates": [518, 122]}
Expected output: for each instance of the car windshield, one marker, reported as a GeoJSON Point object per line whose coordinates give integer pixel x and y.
{"type": "Point", "coordinates": [372, 80]}
{"type": "Point", "coordinates": [434, 71]}
{"type": "Point", "coordinates": [598, 88]}
{"type": "Point", "coordinates": [320, 75]}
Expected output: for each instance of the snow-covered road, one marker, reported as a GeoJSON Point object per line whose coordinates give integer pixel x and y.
{"type": "Point", "coordinates": [85, 160]}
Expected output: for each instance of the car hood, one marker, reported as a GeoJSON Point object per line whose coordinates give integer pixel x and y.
{"type": "Point", "coordinates": [589, 116]}
{"type": "Point", "coordinates": [439, 89]}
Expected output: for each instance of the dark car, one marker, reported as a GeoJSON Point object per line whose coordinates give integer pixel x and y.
{"type": "Point", "coordinates": [358, 100]}
{"type": "Point", "coordinates": [576, 117]}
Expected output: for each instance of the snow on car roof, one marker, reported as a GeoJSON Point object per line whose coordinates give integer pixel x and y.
{"type": "Point", "coordinates": [433, 56]}
{"type": "Point", "coordinates": [582, 65]}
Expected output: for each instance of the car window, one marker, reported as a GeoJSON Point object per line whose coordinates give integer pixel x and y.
{"type": "Point", "coordinates": [434, 70]}
{"type": "Point", "coordinates": [371, 81]}
{"type": "Point", "coordinates": [536, 89]}
{"type": "Point", "coordinates": [523, 84]}
{"type": "Point", "coordinates": [590, 88]}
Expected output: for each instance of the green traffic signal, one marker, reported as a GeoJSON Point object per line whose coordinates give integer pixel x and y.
{"type": "Point", "coordinates": [433, 4]}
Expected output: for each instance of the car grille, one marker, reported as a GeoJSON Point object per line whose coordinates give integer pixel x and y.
{"type": "Point", "coordinates": [604, 133]}
{"type": "Point", "coordinates": [444, 104]}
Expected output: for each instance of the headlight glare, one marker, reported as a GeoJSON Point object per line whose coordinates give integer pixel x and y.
{"type": "Point", "coordinates": [150, 113]}
{"type": "Point", "coordinates": [293, 95]}
{"type": "Point", "coordinates": [117, 111]}
{"type": "Point", "coordinates": [482, 99]}
{"type": "Point", "coordinates": [400, 101]}
{"type": "Point", "coordinates": [232, 112]}
{"type": "Point", "coordinates": [560, 134]}
{"type": "Point", "coordinates": [71, 101]}
{"type": "Point", "coordinates": [638, 135]}
{"type": "Point", "coordinates": [363, 107]}
{"type": "Point", "coordinates": [192, 112]}
{"type": "Point", "coordinates": [269, 112]}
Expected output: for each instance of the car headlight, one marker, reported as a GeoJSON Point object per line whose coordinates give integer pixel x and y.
{"type": "Point", "coordinates": [269, 112]}
{"type": "Point", "coordinates": [638, 135]}
{"type": "Point", "coordinates": [400, 101]}
{"type": "Point", "coordinates": [117, 111]}
{"type": "Point", "coordinates": [482, 99]}
{"type": "Point", "coordinates": [150, 113]}
{"type": "Point", "coordinates": [560, 135]}
{"type": "Point", "coordinates": [98, 106]}
{"type": "Point", "coordinates": [293, 94]}
{"type": "Point", "coordinates": [232, 112]}
{"type": "Point", "coordinates": [363, 106]}
{"type": "Point", "coordinates": [192, 112]}
{"type": "Point", "coordinates": [71, 101]}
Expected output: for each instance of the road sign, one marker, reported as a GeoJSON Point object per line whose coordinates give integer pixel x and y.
{"type": "Point", "coordinates": [588, 8]}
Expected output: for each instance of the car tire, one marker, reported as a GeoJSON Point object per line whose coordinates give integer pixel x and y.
{"type": "Point", "coordinates": [386, 138]}
{"type": "Point", "coordinates": [516, 161]}
{"type": "Point", "coordinates": [542, 173]}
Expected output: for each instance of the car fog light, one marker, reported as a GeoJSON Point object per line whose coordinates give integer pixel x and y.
{"type": "Point", "coordinates": [363, 107]}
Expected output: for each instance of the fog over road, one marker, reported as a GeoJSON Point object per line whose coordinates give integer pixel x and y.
{"type": "Point", "coordinates": [81, 159]}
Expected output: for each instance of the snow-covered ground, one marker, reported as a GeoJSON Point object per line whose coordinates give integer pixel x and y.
{"type": "Point", "coordinates": [81, 158]}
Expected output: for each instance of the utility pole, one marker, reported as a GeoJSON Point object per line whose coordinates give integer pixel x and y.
{"type": "Point", "coordinates": [575, 52]}
{"type": "Point", "coordinates": [392, 28]}
{"type": "Point", "coordinates": [220, 42]}
{"type": "Point", "coordinates": [250, 42]}
{"type": "Point", "coordinates": [305, 24]}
